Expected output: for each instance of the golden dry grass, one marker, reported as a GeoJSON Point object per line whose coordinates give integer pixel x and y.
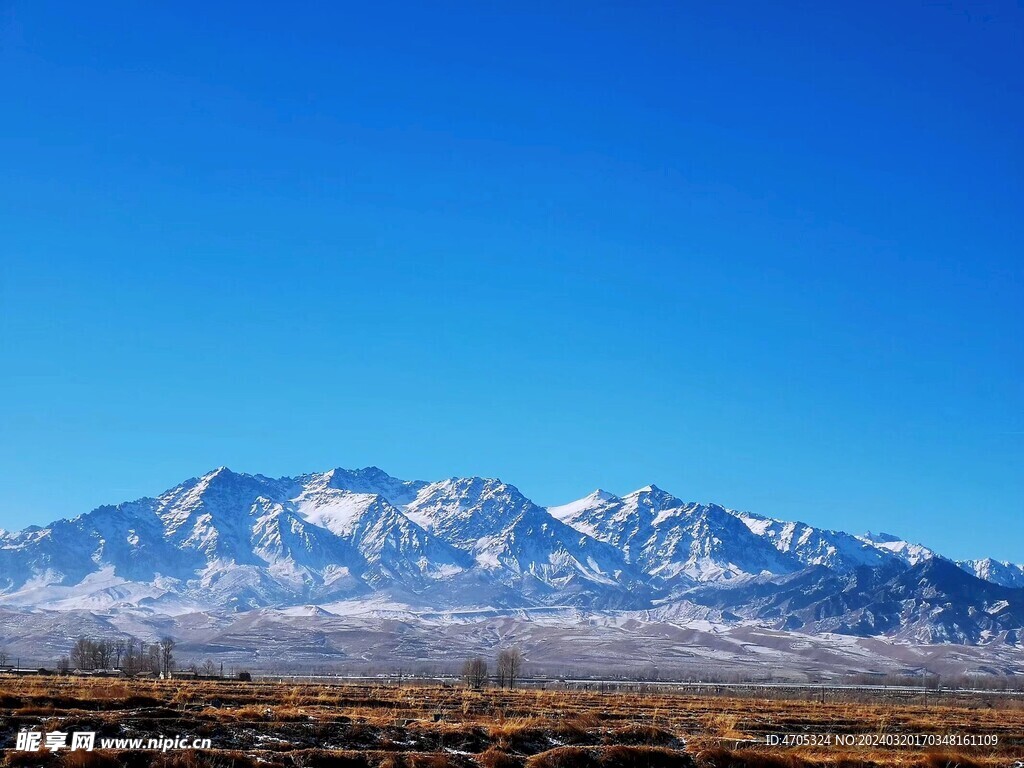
{"type": "Point", "coordinates": [379, 726]}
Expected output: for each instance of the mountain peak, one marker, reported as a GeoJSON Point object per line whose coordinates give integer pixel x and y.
{"type": "Point", "coordinates": [217, 480]}
{"type": "Point", "coordinates": [882, 537]}
{"type": "Point", "coordinates": [371, 472]}
{"type": "Point", "coordinates": [476, 485]}
{"type": "Point", "coordinates": [372, 480]}
{"type": "Point", "coordinates": [651, 490]}
{"type": "Point", "coordinates": [652, 494]}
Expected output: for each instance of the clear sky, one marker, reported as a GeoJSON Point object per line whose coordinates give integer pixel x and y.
{"type": "Point", "coordinates": [765, 254]}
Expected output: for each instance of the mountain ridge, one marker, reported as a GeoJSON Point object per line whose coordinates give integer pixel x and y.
{"type": "Point", "coordinates": [236, 541]}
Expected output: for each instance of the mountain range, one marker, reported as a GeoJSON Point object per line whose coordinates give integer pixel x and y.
{"type": "Point", "coordinates": [231, 543]}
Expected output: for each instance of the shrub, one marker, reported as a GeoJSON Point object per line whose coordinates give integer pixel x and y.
{"type": "Point", "coordinates": [191, 759]}
{"type": "Point", "coordinates": [644, 735]}
{"type": "Point", "coordinates": [30, 759]}
{"type": "Point", "coordinates": [496, 758]}
{"type": "Point", "coordinates": [322, 758]}
{"type": "Point", "coordinates": [82, 759]}
{"type": "Point", "coordinates": [644, 757]}
{"type": "Point", "coordinates": [564, 757]}
{"type": "Point", "coordinates": [947, 760]}
{"type": "Point", "coordinates": [746, 758]}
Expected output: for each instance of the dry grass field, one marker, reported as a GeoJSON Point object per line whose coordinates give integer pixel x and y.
{"type": "Point", "coordinates": [376, 726]}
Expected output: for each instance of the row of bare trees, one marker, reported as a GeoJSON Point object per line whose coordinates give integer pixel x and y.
{"type": "Point", "coordinates": [508, 669]}
{"type": "Point", "coordinates": [130, 655]}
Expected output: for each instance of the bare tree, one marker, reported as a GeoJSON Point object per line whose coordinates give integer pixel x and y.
{"type": "Point", "coordinates": [149, 657]}
{"type": "Point", "coordinates": [63, 665]}
{"type": "Point", "coordinates": [104, 654]}
{"type": "Point", "coordinates": [166, 655]}
{"type": "Point", "coordinates": [209, 669]}
{"type": "Point", "coordinates": [474, 673]}
{"type": "Point", "coordinates": [131, 661]}
{"type": "Point", "coordinates": [510, 664]}
{"type": "Point", "coordinates": [501, 670]}
{"type": "Point", "coordinates": [88, 653]}
{"type": "Point", "coordinates": [81, 654]}
{"type": "Point", "coordinates": [119, 648]}
{"type": "Point", "coordinates": [3, 658]}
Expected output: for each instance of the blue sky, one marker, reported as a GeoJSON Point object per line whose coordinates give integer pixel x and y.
{"type": "Point", "coordinates": [763, 254]}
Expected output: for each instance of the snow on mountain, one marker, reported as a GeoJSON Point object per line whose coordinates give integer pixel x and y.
{"type": "Point", "coordinates": [393, 547]}
{"type": "Point", "coordinates": [933, 601]}
{"type": "Point", "coordinates": [212, 516]}
{"type": "Point", "coordinates": [998, 572]}
{"type": "Point", "coordinates": [350, 538]}
{"type": "Point", "coordinates": [521, 543]}
{"type": "Point", "coordinates": [894, 545]}
{"type": "Point", "coordinates": [672, 540]}
{"type": "Point", "coordinates": [223, 539]}
{"type": "Point", "coordinates": [370, 480]}
{"type": "Point", "coordinates": [580, 513]}
{"type": "Point", "coordinates": [240, 541]}
{"type": "Point", "coordinates": [813, 546]}
{"type": "Point", "coordinates": [130, 535]}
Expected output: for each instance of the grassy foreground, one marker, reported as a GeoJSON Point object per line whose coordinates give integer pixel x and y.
{"type": "Point", "coordinates": [375, 726]}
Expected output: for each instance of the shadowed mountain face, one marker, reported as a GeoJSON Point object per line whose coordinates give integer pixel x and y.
{"type": "Point", "coordinates": [229, 541]}
{"type": "Point", "coordinates": [933, 601]}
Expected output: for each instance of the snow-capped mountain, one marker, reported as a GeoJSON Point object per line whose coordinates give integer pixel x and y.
{"type": "Point", "coordinates": [707, 542]}
{"type": "Point", "coordinates": [231, 541]}
{"type": "Point", "coordinates": [234, 540]}
{"type": "Point", "coordinates": [997, 571]}
{"type": "Point", "coordinates": [392, 548]}
{"type": "Point", "coordinates": [894, 545]}
{"type": "Point", "coordinates": [510, 537]}
{"type": "Point", "coordinates": [671, 540]}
